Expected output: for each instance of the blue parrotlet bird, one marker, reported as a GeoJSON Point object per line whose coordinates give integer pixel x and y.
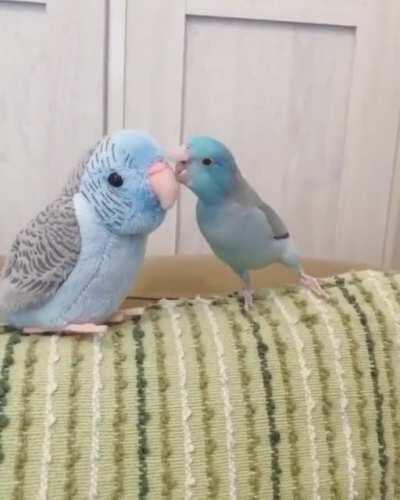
{"type": "Point", "coordinates": [239, 226]}
{"type": "Point", "coordinates": [72, 266]}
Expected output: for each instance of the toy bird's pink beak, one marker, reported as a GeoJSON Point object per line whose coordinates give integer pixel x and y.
{"type": "Point", "coordinates": [163, 184]}
{"type": "Point", "coordinates": [181, 156]}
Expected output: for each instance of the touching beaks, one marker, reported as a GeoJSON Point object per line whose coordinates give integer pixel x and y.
{"type": "Point", "coordinates": [163, 184]}
{"type": "Point", "coordinates": [181, 173]}
{"type": "Point", "coordinates": [179, 155]}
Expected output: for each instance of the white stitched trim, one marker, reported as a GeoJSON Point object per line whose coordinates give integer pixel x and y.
{"type": "Point", "coordinates": [186, 411]}
{"type": "Point", "coordinates": [223, 376]}
{"type": "Point", "coordinates": [344, 402]}
{"type": "Point", "coordinates": [310, 403]}
{"type": "Point", "coordinates": [97, 387]}
{"type": "Point", "coordinates": [50, 419]}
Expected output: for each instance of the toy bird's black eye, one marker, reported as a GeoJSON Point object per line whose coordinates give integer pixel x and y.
{"type": "Point", "coordinates": [115, 180]}
{"type": "Point", "coordinates": [207, 161]}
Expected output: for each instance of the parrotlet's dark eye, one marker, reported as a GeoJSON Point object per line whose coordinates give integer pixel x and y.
{"type": "Point", "coordinates": [115, 180]}
{"type": "Point", "coordinates": [207, 161]}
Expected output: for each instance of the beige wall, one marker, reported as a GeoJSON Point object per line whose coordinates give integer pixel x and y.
{"type": "Point", "coordinates": [306, 92]}
{"type": "Point", "coordinates": [51, 100]}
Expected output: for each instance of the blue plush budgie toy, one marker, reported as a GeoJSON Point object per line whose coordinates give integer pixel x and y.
{"type": "Point", "coordinates": [72, 266]}
{"type": "Point", "coordinates": [241, 229]}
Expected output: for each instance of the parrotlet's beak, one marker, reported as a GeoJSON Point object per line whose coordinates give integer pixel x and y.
{"type": "Point", "coordinates": [181, 156]}
{"type": "Point", "coordinates": [163, 184]}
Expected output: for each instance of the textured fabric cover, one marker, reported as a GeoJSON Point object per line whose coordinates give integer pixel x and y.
{"type": "Point", "coordinates": [299, 399]}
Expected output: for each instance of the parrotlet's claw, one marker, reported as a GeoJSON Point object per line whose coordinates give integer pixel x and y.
{"type": "Point", "coordinates": [313, 285]}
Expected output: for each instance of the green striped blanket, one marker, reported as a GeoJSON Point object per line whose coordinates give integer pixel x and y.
{"type": "Point", "coordinates": [298, 399]}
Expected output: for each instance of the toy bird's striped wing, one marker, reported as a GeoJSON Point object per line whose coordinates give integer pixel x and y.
{"type": "Point", "coordinates": [42, 256]}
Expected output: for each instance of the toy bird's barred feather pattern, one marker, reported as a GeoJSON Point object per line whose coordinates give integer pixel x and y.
{"type": "Point", "coordinates": [109, 206]}
{"type": "Point", "coordinates": [72, 185]}
{"type": "Point", "coordinates": [41, 257]}
{"type": "Point", "coordinates": [45, 251]}
{"type": "Point", "coordinates": [151, 461]}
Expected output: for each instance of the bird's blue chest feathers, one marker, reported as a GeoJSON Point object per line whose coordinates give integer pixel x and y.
{"type": "Point", "coordinates": [238, 235]}
{"type": "Point", "coordinates": [102, 278]}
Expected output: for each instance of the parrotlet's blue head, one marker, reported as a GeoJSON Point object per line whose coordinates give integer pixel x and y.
{"type": "Point", "coordinates": [128, 183]}
{"type": "Point", "coordinates": [207, 167]}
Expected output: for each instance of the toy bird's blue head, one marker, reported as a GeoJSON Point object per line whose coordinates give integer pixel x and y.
{"type": "Point", "coordinates": [128, 184]}
{"type": "Point", "coordinates": [208, 168]}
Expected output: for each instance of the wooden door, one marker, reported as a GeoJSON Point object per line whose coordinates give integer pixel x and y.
{"type": "Point", "coordinates": [305, 92]}
{"type": "Point", "coordinates": [52, 84]}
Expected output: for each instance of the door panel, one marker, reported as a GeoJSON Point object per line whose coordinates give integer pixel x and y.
{"type": "Point", "coordinates": [263, 90]}
{"type": "Point", "coordinates": [23, 117]}
{"type": "Point", "coordinates": [305, 93]}
{"type": "Point", "coordinates": [51, 100]}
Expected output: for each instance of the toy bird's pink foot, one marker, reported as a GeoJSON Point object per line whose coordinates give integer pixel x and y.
{"type": "Point", "coordinates": [125, 314]}
{"type": "Point", "coordinates": [312, 284]}
{"type": "Point", "coordinates": [34, 330]}
{"type": "Point", "coordinates": [85, 328]}
{"type": "Point", "coordinates": [133, 312]}
{"type": "Point", "coordinates": [116, 318]}
{"type": "Point", "coordinates": [89, 328]}
{"type": "Point", "coordinates": [248, 298]}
